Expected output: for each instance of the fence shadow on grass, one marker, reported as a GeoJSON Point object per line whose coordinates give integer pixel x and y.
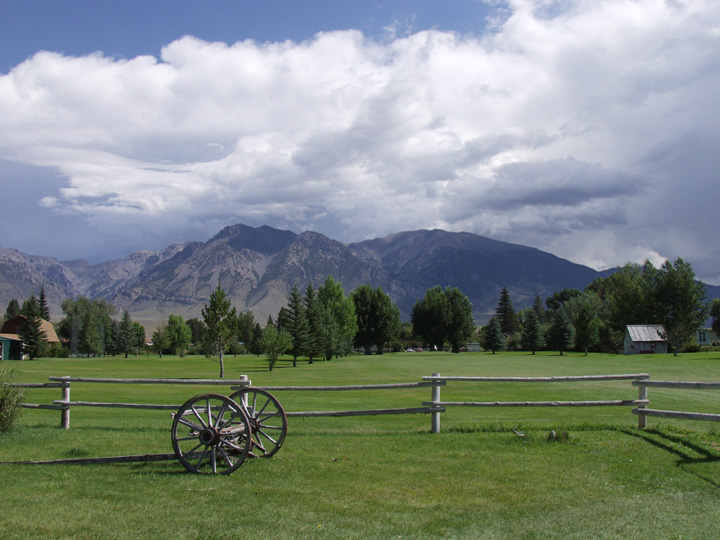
{"type": "Point", "coordinates": [688, 451]}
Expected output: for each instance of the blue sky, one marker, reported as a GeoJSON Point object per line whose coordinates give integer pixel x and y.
{"type": "Point", "coordinates": [586, 128]}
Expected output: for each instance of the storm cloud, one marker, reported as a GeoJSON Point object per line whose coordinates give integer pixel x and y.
{"type": "Point", "coordinates": [584, 128]}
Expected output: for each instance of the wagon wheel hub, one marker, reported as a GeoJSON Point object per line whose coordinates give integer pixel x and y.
{"type": "Point", "coordinates": [209, 436]}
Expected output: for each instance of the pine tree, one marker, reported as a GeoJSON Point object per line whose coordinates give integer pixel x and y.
{"type": "Point", "coordinates": [43, 304]}
{"type": "Point", "coordinates": [506, 313]}
{"type": "Point", "coordinates": [531, 338]}
{"type": "Point", "coordinates": [126, 337]}
{"type": "Point", "coordinates": [13, 309]}
{"type": "Point", "coordinates": [314, 317]}
{"type": "Point", "coordinates": [539, 309]}
{"type": "Point", "coordinates": [561, 332]}
{"type": "Point", "coordinates": [587, 326]}
{"type": "Point", "coordinates": [33, 337]}
{"type": "Point", "coordinates": [297, 325]}
{"type": "Point", "coordinates": [31, 307]}
{"type": "Point", "coordinates": [493, 338]}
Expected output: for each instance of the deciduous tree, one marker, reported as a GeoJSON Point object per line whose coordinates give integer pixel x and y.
{"type": "Point", "coordinates": [378, 319]}
{"type": "Point", "coordinates": [220, 321]}
{"type": "Point", "coordinates": [338, 318]}
{"type": "Point", "coordinates": [179, 334]}
{"type": "Point", "coordinates": [274, 343]}
{"type": "Point", "coordinates": [681, 301]}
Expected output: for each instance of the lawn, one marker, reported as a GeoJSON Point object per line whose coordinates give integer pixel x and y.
{"type": "Point", "coordinates": [377, 476]}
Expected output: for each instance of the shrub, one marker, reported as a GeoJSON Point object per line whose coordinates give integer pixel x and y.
{"type": "Point", "coordinates": [10, 399]}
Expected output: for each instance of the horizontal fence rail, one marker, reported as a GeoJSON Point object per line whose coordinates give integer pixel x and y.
{"type": "Point", "coordinates": [64, 403]}
{"type": "Point", "coordinates": [434, 407]}
{"type": "Point", "coordinates": [222, 382]}
{"type": "Point", "coordinates": [644, 412]}
{"type": "Point", "coordinates": [438, 379]}
{"type": "Point", "coordinates": [570, 378]}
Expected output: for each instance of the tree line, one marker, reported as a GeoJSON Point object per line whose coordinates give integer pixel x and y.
{"type": "Point", "coordinates": [323, 323]}
{"type": "Point", "coordinates": [595, 319]}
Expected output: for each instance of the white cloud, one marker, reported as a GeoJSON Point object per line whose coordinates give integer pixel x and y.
{"type": "Point", "coordinates": [576, 126]}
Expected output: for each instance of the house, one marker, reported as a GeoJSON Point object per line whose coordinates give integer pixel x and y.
{"type": "Point", "coordinates": [705, 336]}
{"type": "Point", "coordinates": [14, 326]}
{"type": "Point", "coordinates": [10, 347]}
{"type": "Point", "coordinates": [645, 339]}
{"type": "Point", "coordinates": [11, 344]}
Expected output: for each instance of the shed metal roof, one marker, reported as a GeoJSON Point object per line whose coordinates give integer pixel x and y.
{"type": "Point", "coordinates": [646, 332]}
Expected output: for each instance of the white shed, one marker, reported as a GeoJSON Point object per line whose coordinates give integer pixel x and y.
{"type": "Point", "coordinates": [645, 339]}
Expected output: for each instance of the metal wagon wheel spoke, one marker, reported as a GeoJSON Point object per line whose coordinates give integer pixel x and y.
{"type": "Point", "coordinates": [211, 434]}
{"type": "Point", "coordinates": [267, 420]}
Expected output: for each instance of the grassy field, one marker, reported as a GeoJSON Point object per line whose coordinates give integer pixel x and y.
{"type": "Point", "coordinates": [383, 476]}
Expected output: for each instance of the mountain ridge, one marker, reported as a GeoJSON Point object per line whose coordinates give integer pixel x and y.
{"type": "Point", "coordinates": [257, 268]}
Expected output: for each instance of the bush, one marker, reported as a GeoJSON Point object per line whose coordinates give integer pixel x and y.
{"type": "Point", "coordinates": [10, 399]}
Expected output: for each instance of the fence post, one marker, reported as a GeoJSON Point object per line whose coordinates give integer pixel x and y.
{"type": "Point", "coordinates": [243, 397]}
{"type": "Point", "coordinates": [435, 422]}
{"type": "Point", "coordinates": [642, 394]}
{"type": "Point", "coordinates": [65, 413]}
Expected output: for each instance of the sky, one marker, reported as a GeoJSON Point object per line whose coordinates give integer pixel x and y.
{"type": "Point", "coordinates": [586, 128]}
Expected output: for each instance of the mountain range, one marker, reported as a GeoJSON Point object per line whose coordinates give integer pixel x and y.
{"type": "Point", "coordinates": [257, 268]}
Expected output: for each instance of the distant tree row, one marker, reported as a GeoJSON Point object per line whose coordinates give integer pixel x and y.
{"type": "Point", "coordinates": [596, 318]}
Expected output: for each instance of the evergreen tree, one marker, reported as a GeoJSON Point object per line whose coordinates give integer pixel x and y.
{"type": "Point", "coordinates": [283, 318]}
{"type": "Point", "coordinates": [561, 332]}
{"type": "Point", "coordinates": [255, 343]}
{"type": "Point", "coordinates": [506, 313]}
{"type": "Point", "coordinates": [587, 323]}
{"type": "Point", "coordinates": [31, 307]}
{"type": "Point", "coordinates": [86, 324]}
{"type": "Point", "coordinates": [126, 336]}
{"type": "Point", "coordinates": [33, 337]}
{"type": "Point", "coordinates": [43, 305]}
{"type": "Point", "coordinates": [493, 338]}
{"type": "Point", "coordinates": [221, 323]}
{"type": "Point", "coordinates": [139, 333]}
{"type": "Point", "coordinates": [297, 325]}
{"type": "Point", "coordinates": [13, 309]}
{"type": "Point", "coordinates": [112, 334]}
{"type": "Point", "coordinates": [314, 317]}
{"type": "Point", "coordinates": [532, 338]}
{"type": "Point", "coordinates": [539, 309]}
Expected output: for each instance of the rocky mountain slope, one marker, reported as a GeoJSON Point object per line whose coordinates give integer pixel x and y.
{"type": "Point", "coordinates": [257, 267]}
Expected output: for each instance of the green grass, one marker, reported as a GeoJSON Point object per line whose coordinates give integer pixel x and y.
{"type": "Point", "coordinates": [377, 477]}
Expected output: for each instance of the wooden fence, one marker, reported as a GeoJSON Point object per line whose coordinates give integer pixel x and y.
{"type": "Point", "coordinates": [434, 407]}
{"type": "Point", "coordinates": [643, 412]}
{"type": "Point", "coordinates": [437, 378]}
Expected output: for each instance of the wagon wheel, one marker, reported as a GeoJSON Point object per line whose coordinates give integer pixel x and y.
{"type": "Point", "coordinates": [211, 434]}
{"type": "Point", "coordinates": [267, 420]}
